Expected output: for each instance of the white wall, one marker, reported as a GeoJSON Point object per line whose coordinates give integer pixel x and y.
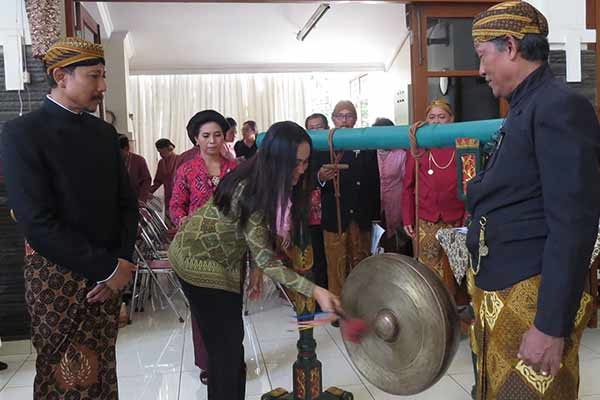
{"type": "Point", "coordinates": [14, 33]}
{"type": "Point", "coordinates": [388, 91]}
{"type": "Point", "coordinates": [566, 19]}
{"type": "Point", "coordinates": [117, 80]}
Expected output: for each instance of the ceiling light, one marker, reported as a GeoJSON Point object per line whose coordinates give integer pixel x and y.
{"type": "Point", "coordinates": [312, 21]}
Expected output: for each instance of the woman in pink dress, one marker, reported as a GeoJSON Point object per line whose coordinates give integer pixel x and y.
{"type": "Point", "coordinates": [195, 182]}
{"type": "Point", "coordinates": [392, 165]}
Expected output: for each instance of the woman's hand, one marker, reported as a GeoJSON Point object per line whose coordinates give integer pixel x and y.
{"type": "Point", "coordinates": [410, 230]}
{"type": "Point", "coordinates": [327, 300]}
{"type": "Point", "coordinates": [255, 287]}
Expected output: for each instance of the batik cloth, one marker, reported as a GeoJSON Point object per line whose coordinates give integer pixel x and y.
{"type": "Point", "coordinates": [431, 252]}
{"type": "Point", "coordinates": [503, 317]}
{"type": "Point", "coordinates": [75, 341]}
{"type": "Point", "coordinates": [343, 253]}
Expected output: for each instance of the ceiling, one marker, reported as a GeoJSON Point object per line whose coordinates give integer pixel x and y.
{"type": "Point", "coordinates": [235, 37]}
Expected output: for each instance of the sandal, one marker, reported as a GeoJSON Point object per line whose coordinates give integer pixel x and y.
{"type": "Point", "coordinates": [204, 377]}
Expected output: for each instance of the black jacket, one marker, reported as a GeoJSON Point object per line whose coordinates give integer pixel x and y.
{"type": "Point", "coordinates": [69, 189]}
{"type": "Point", "coordinates": [540, 193]}
{"type": "Point", "coordinates": [359, 188]}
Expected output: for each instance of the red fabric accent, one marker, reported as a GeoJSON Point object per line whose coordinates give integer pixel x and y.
{"type": "Point", "coordinates": [139, 176]}
{"type": "Point", "coordinates": [438, 193]}
{"type": "Point", "coordinates": [159, 264]}
{"type": "Point", "coordinates": [314, 217]}
{"type": "Point", "coordinates": [193, 187]}
{"type": "Point", "coordinates": [165, 172]}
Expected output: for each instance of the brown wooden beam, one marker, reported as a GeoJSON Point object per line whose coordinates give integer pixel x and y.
{"type": "Point", "coordinates": [297, 1]}
{"type": "Point", "coordinates": [70, 17]}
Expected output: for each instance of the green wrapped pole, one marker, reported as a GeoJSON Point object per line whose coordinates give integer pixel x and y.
{"type": "Point", "coordinates": [396, 137]}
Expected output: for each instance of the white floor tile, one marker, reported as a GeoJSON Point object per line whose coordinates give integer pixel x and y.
{"type": "Point", "coordinates": [24, 375]}
{"type": "Point", "coordinates": [360, 392]}
{"type": "Point", "coordinates": [446, 389]}
{"type": "Point", "coordinates": [146, 355]}
{"type": "Point", "coordinates": [589, 373]}
{"type": "Point", "coordinates": [257, 385]}
{"type": "Point", "coordinates": [285, 352]}
{"type": "Point", "coordinates": [466, 380]}
{"type": "Point", "coordinates": [591, 340]}
{"type": "Point", "coordinates": [14, 364]}
{"type": "Point", "coordinates": [462, 362]}
{"type": "Point", "coordinates": [17, 393]}
{"type": "Point", "coordinates": [15, 347]}
{"type": "Point", "coordinates": [159, 386]}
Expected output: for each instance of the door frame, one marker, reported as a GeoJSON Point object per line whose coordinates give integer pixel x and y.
{"type": "Point", "coordinates": [417, 23]}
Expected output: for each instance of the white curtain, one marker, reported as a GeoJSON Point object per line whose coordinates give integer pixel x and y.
{"type": "Point", "coordinates": [163, 104]}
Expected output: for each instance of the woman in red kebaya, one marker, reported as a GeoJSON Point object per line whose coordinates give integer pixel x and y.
{"type": "Point", "coordinates": [438, 203]}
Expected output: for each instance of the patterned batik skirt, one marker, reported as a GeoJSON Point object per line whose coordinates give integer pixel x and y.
{"type": "Point", "coordinates": [343, 252]}
{"type": "Point", "coordinates": [503, 317]}
{"type": "Point", "coordinates": [431, 252]}
{"type": "Point", "coordinates": [75, 341]}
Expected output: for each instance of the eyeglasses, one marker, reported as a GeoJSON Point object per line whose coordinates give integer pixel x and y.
{"type": "Point", "coordinates": [344, 116]}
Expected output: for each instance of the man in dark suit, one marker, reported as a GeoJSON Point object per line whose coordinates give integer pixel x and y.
{"type": "Point", "coordinates": [69, 191]}
{"type": "Point", "coordinates": [535, 209]}
{"type": "Point", "coordinates": [347, 241]}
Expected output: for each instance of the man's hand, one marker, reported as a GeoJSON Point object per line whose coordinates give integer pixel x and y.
{"type": "Point", "coordinates": [410, 230]}
{"type": "Point", "coordinates": [122, 276]}
{"type": "Point", "coordinates": [541, 352]}
{"type": "Point", "coordinates": [255, 287]}
{"type": "Point", "coordinates": [328, 173]}
{"type": "Point", "coordinates": [99, 294]}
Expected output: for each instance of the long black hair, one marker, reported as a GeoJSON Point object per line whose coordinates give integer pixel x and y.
{"type": "Point", "coordinates": [268, 177]}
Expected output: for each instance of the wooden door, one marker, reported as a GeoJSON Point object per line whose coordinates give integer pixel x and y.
{"type": "Point", "coordinates": [443, 57]}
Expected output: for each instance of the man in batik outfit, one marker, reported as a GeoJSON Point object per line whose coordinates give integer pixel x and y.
{"type": "Point", "coordinates": [69, 190]}
{"type": "Point", "coordinates": [535, 209]}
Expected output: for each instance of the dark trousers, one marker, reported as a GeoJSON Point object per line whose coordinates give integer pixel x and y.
{"type": "Point", "coordinates": [319, 269]}
{"type": "Point", "coordinates": [219, 316]}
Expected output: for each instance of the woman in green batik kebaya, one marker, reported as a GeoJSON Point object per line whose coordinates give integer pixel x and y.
{"type": "Point", "coordinates": [245, 212]}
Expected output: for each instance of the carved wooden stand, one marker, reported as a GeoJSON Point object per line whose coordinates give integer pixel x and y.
{"type": "Point", "coordinates": [307, 376]}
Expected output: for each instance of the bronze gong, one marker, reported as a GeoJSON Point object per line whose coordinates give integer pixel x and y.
{"type": "Point", "coordinates": [413, 324]}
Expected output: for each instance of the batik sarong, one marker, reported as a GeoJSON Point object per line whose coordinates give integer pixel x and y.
{"type": "Point", "coordinates": [432, 254]}
{"type": "Point", "coordinates": [343, 253]}
{"type": "Point", "coordinates": [503, 317]}
{"type": "Point", "coordinates": [75, 341]}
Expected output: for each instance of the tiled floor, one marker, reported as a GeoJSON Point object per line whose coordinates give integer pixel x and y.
{"type": "Point", "coordinates": [155, 361]}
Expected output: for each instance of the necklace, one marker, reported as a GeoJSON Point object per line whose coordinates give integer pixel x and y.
{"type": "Point", "coordinates": [215, 180]}
{"type": "Point", "coordinates": [432, 160]}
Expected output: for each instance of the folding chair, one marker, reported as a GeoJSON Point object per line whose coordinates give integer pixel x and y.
{"type": "Point", "coordinates": [151, 258]}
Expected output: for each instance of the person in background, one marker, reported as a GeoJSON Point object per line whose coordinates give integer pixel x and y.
{"type": "Point", "coordinates": [195, 182]}
{"type": "Point", "coordinates": [246, 147]}
{"type": "Point", "coordinates": [392, 165]}
{"type": "Point", "coordinates": [317, 121]}
{"type": "Point", "coordinates": [359, 203]}
{"type": "Point", "coordinates": [136, 166]}
{"type": "Point", "coordinates": [438, 203]}
{"type": "Point", "coordinates": [228, 147]}
{"type": "Point", "coordinates": [165, 171]}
